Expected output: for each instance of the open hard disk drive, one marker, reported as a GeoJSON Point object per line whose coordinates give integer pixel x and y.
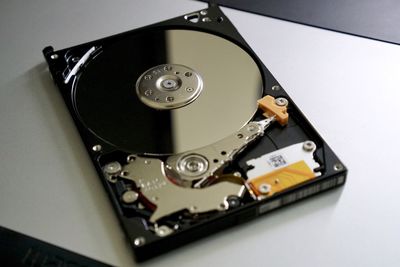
{"type": "Point", "coordinates": [188, 130]}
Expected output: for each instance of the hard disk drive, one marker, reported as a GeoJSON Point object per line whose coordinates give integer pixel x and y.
{"type": "Point", "coordinates": [188, 130]}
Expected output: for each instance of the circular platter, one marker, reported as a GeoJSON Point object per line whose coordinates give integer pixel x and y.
{"type": "Point", "coordinates": [161, 92]}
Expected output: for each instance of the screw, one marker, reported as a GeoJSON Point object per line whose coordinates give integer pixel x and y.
{"type": "Point", "coordinates": [281, 101]}
{"type": "Point", "coordinates": [97, 148]}
{"type": "Point", "coordinates": [308, 146]}
{"type": "Point", "coordinates": [139, 241]}
{"type": "Point", "coordinates": [148, 77]}
{"type": "Point", "coordinates": [264, 188]}
{"type": "Point", "coordinates": [206, 19]}
{"type": "Point", "coordinates": [169, 84]}
{"type": "Point", "coordinates": [189, 89]}
{"type": "Point", "coordinates": [54, 56]}
{"type": "Point", "coordinates": [237, 174]}
{"type": "Point", "coordinates": [233, 201]}
{"type": "Point", "coordinates": [113, 167]}
{"type": "Point", "coordinates": [129, 196]}
{"type": "Point", "coordinates": [167, 68]}
{"type": "Point", "coordinates": [203, 12]}
{"type": "Point", "coordinates": [170, 98]}
{"type": "Point", "coordinates": [276, 88]}
{"type": "Point", "coordinates": [188, 74]}
{"type": "Point", "coordinates": [251, 128]}
{"type": "Point", "coordinates": [192, 165]}
{"type": "Point", "coordinates": [163, 230]}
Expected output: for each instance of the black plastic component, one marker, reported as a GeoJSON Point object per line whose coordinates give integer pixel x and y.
{"type": "Point", "coordinates": [20, 250]}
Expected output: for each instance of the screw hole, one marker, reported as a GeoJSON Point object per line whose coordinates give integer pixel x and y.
{"type": "Point", "coordinates": [131, 158]}
{"type": "Point", "coordinates": [338, 167]}
{"type": "Point", "coordinates": [215, 160]}
{"type": "Point", "coordinates": [194, 18]}
{"type": "Point", "coordinates": [220, 19]}
{"type": "Point", "coordinates": [223, 153]}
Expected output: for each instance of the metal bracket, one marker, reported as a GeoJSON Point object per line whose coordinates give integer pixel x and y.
{"type": "Point", "coordinates": [199, 164]}
{"type": "Point", "coordinates": [148, 174]}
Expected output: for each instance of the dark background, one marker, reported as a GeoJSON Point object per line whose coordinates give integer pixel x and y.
{"type": "Point", "coordinates": [374, 19]}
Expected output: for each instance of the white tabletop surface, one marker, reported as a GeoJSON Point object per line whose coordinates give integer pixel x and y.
{"type": "Point", "coordinates": [348, 87]}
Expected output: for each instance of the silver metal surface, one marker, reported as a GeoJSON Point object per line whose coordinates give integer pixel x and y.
{"type": "Point", "coordinates": [193, 17]}
{"type": "Point", "coordinates": [309, 146]}
{"type": "Point", "coordinates": [281, 101]}
{"type": "Point", "coordinates": [264, 188]}
{"type": "Point", "coordinates": [97, 148]}
{"type": "Point", "coordinates": [148, 174]}
{"type": "Point", "coordinates": [139, 241]}
{"type": "Point", "coordinates": [338, 167]}
{"type": "Point", "coordinates": [232, 84]}
{"type": "Point", "coordinates": [163, 230]}
{"type": "Point", "coordinates": [192, 165]}
{"type": "Point", "coordinates": [276, 88]}
{"type": "Point", "coordinates": [169, 97]}
{"type": "Point", "coordinates": [200, 164]}
{"type": "Point", "coordinates": [169, 86]}
{"type": "Point", "coordinates": [113, 168]}
{"type": "Point", "coordinates": [237, 174]}
{"type": "Point", "coordinates": [129, 197]}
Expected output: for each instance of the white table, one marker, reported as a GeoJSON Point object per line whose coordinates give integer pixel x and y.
{"type": "Point", "coordinates": [348, 87]}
